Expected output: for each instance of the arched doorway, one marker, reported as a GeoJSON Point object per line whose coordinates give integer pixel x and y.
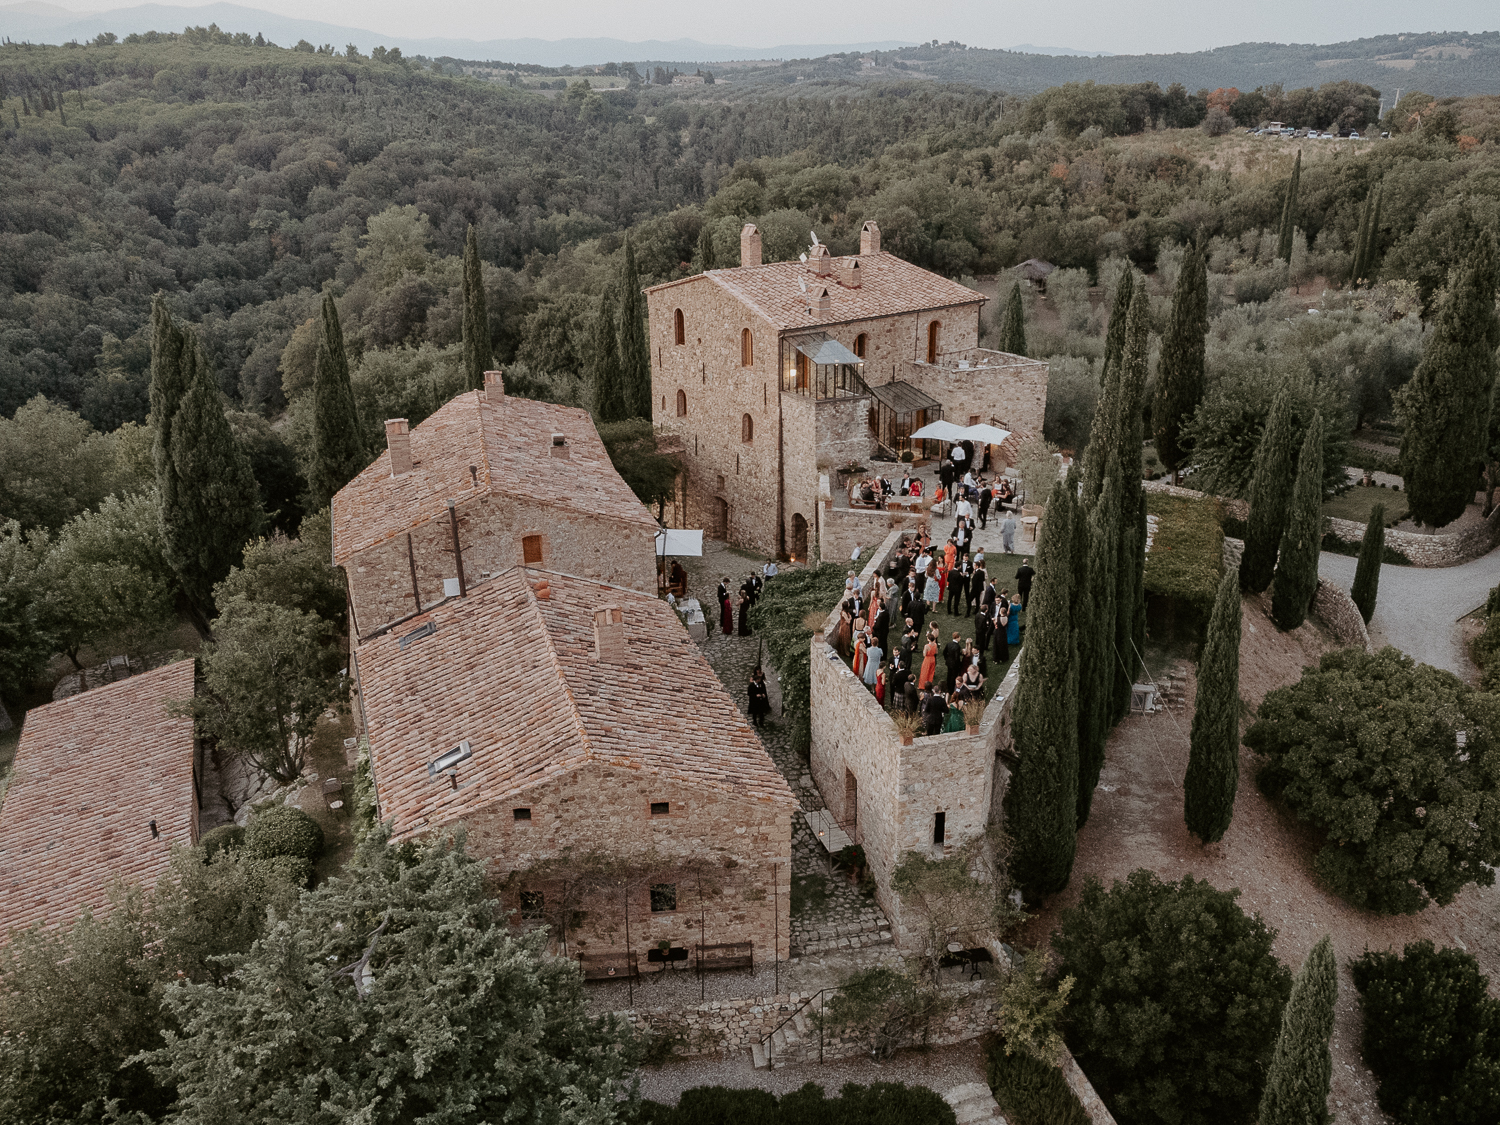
{"type": "Point", "coordinates": [799, 538]}
{"type": "Point", "coordinates": [721, 518]}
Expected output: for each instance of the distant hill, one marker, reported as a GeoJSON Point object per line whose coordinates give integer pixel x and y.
{"type": "Point", "coordinates": [47, 23]}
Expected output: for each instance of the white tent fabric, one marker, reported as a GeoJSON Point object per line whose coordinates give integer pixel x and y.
{"type": "Point", "coordinates": [986, 435]}
{"type": "Point", "coordinates": [675, 541]}
{"type": "Point", "coordinates": [940, 430]}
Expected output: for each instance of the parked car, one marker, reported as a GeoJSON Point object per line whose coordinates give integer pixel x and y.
{"type": "Point", "coordinates": [1353, 136]}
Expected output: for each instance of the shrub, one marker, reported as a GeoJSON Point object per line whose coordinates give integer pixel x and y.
{"type": "Point", "coordinates": [363, 803]}
{"type": "Point", "coordinates": [1030, 1091]}
{"type": "Point", "coordinates": [1186, 559]}
{"type": "Point", "coordinates": [885, 1008]}
{"type": "Point", "coordinates": [1365, 747]}
{"type": "Point", "coordinates": [284, 830]}
{"type": "Point", "coordinates": [1178, 999]}
{"type": "Point", "coordinates": [781, 616]}
{"type": "Point", "coordinates": [218, 839]}
{"type": "Point", "coordinates": [1432, 1035]}
{"type": "Point", "coordinates": [882, 1103]}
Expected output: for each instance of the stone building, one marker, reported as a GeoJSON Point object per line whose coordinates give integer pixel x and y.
{"type": "Point", "coordinates": [861, 351]}
{"type": "Point", "coordinates": [103, 785]}
{"type": "Point", "coordinates": [597, 762]}
{"type": "Point", "coordinates": [489, 482]}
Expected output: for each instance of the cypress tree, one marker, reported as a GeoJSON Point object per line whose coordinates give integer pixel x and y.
{"type": "Point", "coordinates": [1301, 542]}
{"type": "Point", "coordinates": [339, 451]}
{"type": "Point", "coordinates": [1013, 323]}
{"type": "Point", "coordinates": [1041, 805]}
{"type": "Point", "coordinates": [1289, 212]}
{"type": "Point", "coordinates": [1372, 241]}
{"type": "Point", "coordinates": [1096, 634]}
{"type": "Point", "coordinates": [1213, 772]}
{"type": "Point", "coordinates": [606, 381]}
{"type": "Point", "coordinates": [1130, 608]}
{"type": "Point", "coordinates": [1130, 603]}
{"type": "Point", "coordinates": [1367, 571]}
{"type": "Point", "coordinates": [1119, 313]}
{"type": "Point", "coordinates": [1179, 373]}
{"type": "Point", "coordinates": [478, 356]}
{"type": "Point", "coordinates": [635, 355]}
{"type": "Point", "coordinates": [210, 503]}
{"type": "Point", "coordinates": [706, 248]}
{"type": "Point", "coordinates": [1118, 426]}
{"type": "Point", "coordinates": [1445, 406]}
{"type": "Point", "coordinates": [1270, 492]}
{"type": "Point", "coordinates": [1301, 1071]}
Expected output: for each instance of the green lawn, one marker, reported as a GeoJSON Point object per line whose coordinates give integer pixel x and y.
{"type": "Point", "coordinates": [1356, 504]}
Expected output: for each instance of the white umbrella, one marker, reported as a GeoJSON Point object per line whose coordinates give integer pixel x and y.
{"type": "Point", "coordinates": [986, 435]}
{"type": "Point", "coordinates": [673, 541]}
{"type": "Point", "coordinates": [941, 430]}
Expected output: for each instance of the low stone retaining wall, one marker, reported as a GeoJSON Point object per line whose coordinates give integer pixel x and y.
{"type": "Point", "coordinates": [1336, 609]}
{"type": "Point", "coordinates": [1428, 550]}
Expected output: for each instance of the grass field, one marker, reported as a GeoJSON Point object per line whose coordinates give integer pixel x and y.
{"type": "Point", "coordinates": [1356, 504]}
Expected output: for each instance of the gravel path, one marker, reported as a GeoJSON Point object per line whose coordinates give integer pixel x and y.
{"type": "Point", "coordinates": [1417, 608]}
{"type": "Point", "coordinates": [940, 1069]}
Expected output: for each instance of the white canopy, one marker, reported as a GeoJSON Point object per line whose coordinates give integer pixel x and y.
{"type": "Point", "coordinates": [943, 430]}
{"type": "Point", "coordinates": [676, 541]}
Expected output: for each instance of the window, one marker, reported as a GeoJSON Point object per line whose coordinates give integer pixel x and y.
{"type": "Point", "coordinates": [747, 348]}
{"type": "Point", "coordinates": [532, 905]}
{"type": "Point", "coordinates": [747, 428]}
{"type": "Point", "coordinates": [939, 827]}
{"type": "Point", "coordinates": [679, 331]}
{"type": "Point", "coordinates": [521, 814]}
{"type": "Point", "coordinates": [804, 372]}
{"type": "Point", "coordinates": [932, 341]}
{"type": "Point", "coordinates": [531, 550]}
{"type": "Point", "coordinates": [663, 897]}
{"type": "Point", "coordinates": [682, 404]}
{"type": "Point", "coordinates": [661, 808]}
{"type": "Point", "coordinates": [720, 482]}
{"type": "Point", "coordinates": [861, 342]}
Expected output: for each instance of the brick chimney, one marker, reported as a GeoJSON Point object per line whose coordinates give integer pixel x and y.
{"type": "Point", "coordinates": [823, 303]}
{"type": "Point", "coordinates": [398, 440]}
{"type": "Point", "coordinates": [749, 245]}
{"type": "Point", "coordinates": [849, 271]}
{"type": "Point", "coordinates": [494, 386]}
{"type": "Point", "coordinates": [609, 635]}
{"type": "Point", "coordinates": [560, 446]}
{"type": "Point", "coordinates": [821, 261]}
{"type": "Point", "coordinates": [869, 238]}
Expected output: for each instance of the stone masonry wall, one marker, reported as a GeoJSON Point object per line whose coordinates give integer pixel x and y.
{"type": "Point", "coordinates": [490, 530]}
{"type": "Point", "coordinates": [1012, 395]}
{"type": "Point", "coordinates": [1336, 609]}
{"type": "Point", "coordinates": [899, 788]}
{"type": "Point", "coordinates": [844, 431]}
{"type": "Point", "coordinates": [1440, 549]}
{"type": "Point", "coordinates": [608, 809]}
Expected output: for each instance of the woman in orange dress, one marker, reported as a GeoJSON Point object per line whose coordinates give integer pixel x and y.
{"type": "Point", "coordinates": [858, 663]}
{"type": "Point", "coordinates": [929, 666]}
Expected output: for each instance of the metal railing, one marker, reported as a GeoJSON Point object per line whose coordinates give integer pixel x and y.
{"type": "Point", "coordinates": [802, 1007]}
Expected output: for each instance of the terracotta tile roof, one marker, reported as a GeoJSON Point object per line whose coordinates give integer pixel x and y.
{"type": "Point", "coordinates": [509, 444]}
{"type": "Point", "coordinates": [515, 675]}
{"type": "Point", "coordinates": [889, 286]}
{"type": "Point", "coordinates": [91, 773]}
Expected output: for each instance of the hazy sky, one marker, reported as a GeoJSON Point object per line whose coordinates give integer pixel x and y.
{"type": "Point", "coordinates": [1099, 25]}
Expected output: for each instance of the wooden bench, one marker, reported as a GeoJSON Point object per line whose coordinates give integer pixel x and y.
{"type": "Point", "coordinates": [727, 955]}
{"type": "Point", "coordinates": [608, 966]}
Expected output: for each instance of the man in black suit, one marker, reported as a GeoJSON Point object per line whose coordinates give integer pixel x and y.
{"type": "Point", "coordinates": [1024, 575]}
{"type": "Point", "coordinates": [977, 582]}
{"type": "Point", "coordinates": [986, 497]}
{"type": "Point", "coordinates": [881, 627]}
{"type": "Point", "coordinates": [953, 660]}
{"type": "Point", "coordinates": [958, 583]}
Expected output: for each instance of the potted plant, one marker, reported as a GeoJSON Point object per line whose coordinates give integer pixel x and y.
{"type": "Point", "coordinates": [908, 726]}
{"type": "Point", "coordinates": [973, 711]}
{"type": "Point", "coordinates": [851, 858]}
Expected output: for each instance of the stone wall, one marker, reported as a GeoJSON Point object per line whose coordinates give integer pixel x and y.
{"type": "Point", "coordinates": [1436, 550]}
{"type": "Point", "coordinates": [844, 432]}
{"type": "Point", "coordinates": [841, 529]}
{"type": "Point", "coordinates": [490, 530]}
{"type": "Point", "coordinates": [1010, 391]}
{"type": "Point", "coordinates": [743, 894]}
{"type": "Point", "coordinates": [898, 789]}
{"type": "Point", "coordinates": [1336, 609]}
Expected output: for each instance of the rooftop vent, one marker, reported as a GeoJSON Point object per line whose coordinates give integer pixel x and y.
{"type": "Point", "coordinates": [869, 238]}
{"type": "Point", "coordinates": [821, 260]}
{"type": "Point", "coordinates": [823, 302]}
{"type": "Point", "coordinates": [849, 270]}
{"type": "Point", "coordinates": [416, 635]}
{"type": "Point", "coordinates": [609, 635]}
{"type": "Point", "coordinates": [749, 245]}
{"type": "Point", "coordinates": [398, 440]}
{"type": "Point", "coordinates": [560, 446]}
{"type": "Point", "coordinates": [494, 386]}
{"type": "Point", "coordinates": [460, 753]}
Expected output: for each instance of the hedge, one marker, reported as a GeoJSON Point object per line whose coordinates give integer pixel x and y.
{"type": "Point", "coordinates": [284, 830]}
{"type": "Point", "coordinates": [883, 1103]}
{"type": "Point", "coordinates": [217, 839]}
{"type": "Point", "coordinates": [1186, 559]}
{"type": "Point", "coordinates": [1030, 1091]}
{"type": "Point", "coordinates": [783, 618]}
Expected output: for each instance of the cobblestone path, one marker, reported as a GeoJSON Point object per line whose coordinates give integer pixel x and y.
{"type": "Point", "coordinates": [829, 914]}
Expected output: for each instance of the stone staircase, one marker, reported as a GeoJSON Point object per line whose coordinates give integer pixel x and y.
{"type": "Point", "coordinates": [973, 1104]}
{"type": "Point", "coordinates": [794, 1042]}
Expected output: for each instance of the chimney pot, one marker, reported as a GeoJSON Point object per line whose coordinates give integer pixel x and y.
{"type": "Point", "coordinates": [749, 245]}
{"type": "Point", "coordinates": [398, 440]}
{"type": "Point", "coordinates": [822, 260]}
{"type": "Point", "coordinates": [825, 302]}
{"type": "Point", "coordinates": [851, 270]}
{"type": "Point", "coordinates": [560, 446]}
{"type": "Point", "coordinates": [609, 635]}
{"type": "Point", "coordinates": [494, 386]}
{"type": "Point", "coordinates": [869, 238]}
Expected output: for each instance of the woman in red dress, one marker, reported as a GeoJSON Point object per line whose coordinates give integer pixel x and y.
{"type": "Point", "coordinates": [929, 666]}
